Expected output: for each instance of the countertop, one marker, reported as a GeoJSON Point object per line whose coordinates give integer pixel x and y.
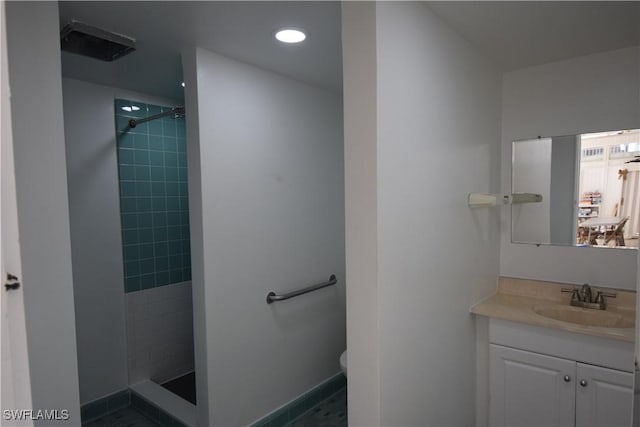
{"type": "Point", "coordinates": [516, 300]}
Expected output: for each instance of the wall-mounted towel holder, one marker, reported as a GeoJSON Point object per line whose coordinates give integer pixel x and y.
{"type": "Point", "coordinates": [481, 200]}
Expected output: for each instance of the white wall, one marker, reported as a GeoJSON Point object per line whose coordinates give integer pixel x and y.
{"type": "Point", "coordinates": [266, 187]}
{"type": "Point", "coordinates": [587, 94]}
{"type": "Point", "coordinates": [96, 241]}
{"type": "Point", "coordinates": [438, 129]}
{"type": "Point", "coordinates": [564, 189]}
{"type": "Point", "coordinates": [532, 160]}
{"type": "Point", "coordinates": [43, 211]}
{"type": "Point", "coordinates": [438, 133]}
{"type": "Point", "coordinates": [15, 391]}
{"type": "Point", "coordinates": [548, 168]}
{"type": "Point", "coordinates": [95, 238]}
{"type": "Point", "coordinates": [196, 228]}
{"type": "Point", "coordinates": [361, 237]}
{"type": "Point", "coordinates": [159, 333]}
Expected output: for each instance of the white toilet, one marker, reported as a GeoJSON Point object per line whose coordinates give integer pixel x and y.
{"type": "Point", "coordinates": [343, 362]}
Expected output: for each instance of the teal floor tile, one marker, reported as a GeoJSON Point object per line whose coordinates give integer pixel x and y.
{"type": "Point", "coordinates": [331, 412]}
{"type": "Point", "coordinates": [129, 417]}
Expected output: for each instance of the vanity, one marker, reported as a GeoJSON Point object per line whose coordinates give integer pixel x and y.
{"type": "Point", "coordinates": [551, 364]}
{"type": "Point", "coordinates": [562, 354]}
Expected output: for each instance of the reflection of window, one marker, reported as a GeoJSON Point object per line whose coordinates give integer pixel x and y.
{"type": "Point", "coordinates": [594, 153]}
{"type": "Point", "coordinates": [624, 150]}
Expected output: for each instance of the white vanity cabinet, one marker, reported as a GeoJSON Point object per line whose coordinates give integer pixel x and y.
{"type": "Point", "coordinates": [540, 377]}
{"type": "Point", "coordinates": [604, 397]}
{"type": "Point", "coordinates": [529, 389]}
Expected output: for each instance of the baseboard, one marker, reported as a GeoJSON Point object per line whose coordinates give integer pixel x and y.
{"type": "Point", "coordinates": [301, 404]}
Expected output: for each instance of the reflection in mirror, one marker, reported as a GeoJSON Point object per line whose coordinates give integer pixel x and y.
{"type": "Point", "coordinates": [590, 185]}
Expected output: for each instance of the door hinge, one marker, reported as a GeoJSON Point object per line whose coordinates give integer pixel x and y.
{"type": "Point", "coordinates": [12, 282]}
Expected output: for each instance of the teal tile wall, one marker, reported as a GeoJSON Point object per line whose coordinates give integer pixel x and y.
{"type": "Point", "coordinates": [154, 200]}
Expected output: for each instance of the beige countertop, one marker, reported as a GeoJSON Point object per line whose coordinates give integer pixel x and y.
{"type": "Point", "coordinates": [518, 300]}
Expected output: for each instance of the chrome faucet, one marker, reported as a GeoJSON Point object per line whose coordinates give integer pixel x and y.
{"type": "Point", "coordinates": [585, 293]}
{"type": "Point", "coordinates": [583, 297]}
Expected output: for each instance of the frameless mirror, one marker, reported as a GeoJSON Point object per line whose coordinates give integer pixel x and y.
{"type": "Point", "coordinates": [590, 187]}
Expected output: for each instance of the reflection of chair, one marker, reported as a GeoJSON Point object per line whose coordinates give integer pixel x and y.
{"type": "Point", "coordinates": [583, 233]}
{"type": "Point", "coordinates": [618, 233]}
{"type": "Point", "coordinates": [595, 234]}
{"type": "Point", "coordinates": [590, 239]}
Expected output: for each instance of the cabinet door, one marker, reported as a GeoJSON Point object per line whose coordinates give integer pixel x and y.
{"type": "Point", "coordinates": [604, 397]}
{"type": "Point", "coordinates": [530, 389]}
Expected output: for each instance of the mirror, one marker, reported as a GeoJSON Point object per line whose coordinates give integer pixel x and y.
{"type": "Point", "coordinates": [590, 187]}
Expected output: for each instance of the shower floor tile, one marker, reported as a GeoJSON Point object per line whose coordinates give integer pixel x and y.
{"type": "Point", "coordinates": [184, 386]}
{"type": "Point", "coordinates": [126, 417]}
{"type": "Point", "coordinates": [331, 412]}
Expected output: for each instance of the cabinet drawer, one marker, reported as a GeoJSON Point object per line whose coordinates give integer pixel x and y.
{"type": "Point", "coordinates": [588, 349]}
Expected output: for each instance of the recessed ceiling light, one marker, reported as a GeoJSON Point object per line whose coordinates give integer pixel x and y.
{"type": "Point", "coordinates": [130, 108]}
{"type": "Point", "coordinates": [182, 84]}
{"type": "Point", "coordinates": [290, 35]}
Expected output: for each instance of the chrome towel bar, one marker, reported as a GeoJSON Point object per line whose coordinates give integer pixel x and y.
{"type": "Point", "coordinates": [273, 297]}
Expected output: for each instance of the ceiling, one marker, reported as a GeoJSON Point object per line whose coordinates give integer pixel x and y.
{"type": "Point", "coordinates": [526, 33]}
{"type": "Point", "coordinates": [241, 30]}
{"type": "Point", "coordinates": [514, 34]}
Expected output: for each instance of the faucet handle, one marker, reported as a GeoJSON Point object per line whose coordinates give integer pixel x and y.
{"type": "Point", "coordinates": [574, 291]}
{"type": "Point", "coordinates": [601, 294]}
{"type": "Point", "coordinates": [600, 298]}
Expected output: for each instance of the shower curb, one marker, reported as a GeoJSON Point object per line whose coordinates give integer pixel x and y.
{"type": "Point", "coordinates": [162, 406]}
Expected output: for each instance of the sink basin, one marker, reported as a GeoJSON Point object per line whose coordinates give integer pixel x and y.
{"type": "Point", "coordinates": [585, 316]}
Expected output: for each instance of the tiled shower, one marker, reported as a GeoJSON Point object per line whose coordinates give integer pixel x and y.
{"type": "Point", "coordinates": [129, 220]}
{"type": "Point", "coordinates": [154, 200]}
{"type": "Point", "coordinates": [154, 211]}
{"type": "Point", "coordinates": [139, 177]}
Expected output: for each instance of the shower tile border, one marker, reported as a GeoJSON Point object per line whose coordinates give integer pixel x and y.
{"type": "Point", "coordinates": [298, 406]}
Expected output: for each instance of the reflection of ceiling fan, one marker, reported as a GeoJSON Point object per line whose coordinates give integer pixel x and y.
{"type": "Point", "coordinates": [636, 159]}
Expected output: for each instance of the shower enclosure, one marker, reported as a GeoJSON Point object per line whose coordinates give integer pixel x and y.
{"type": "Point", "coordinates": [154, 209]}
